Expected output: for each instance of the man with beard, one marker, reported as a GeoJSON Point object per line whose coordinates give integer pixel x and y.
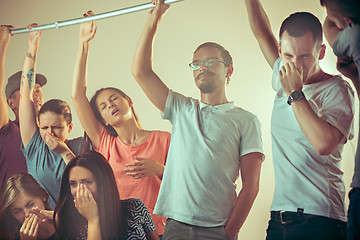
{"type": "Point", "coordinates": [311, 121]}
{"type": "Point", "coordinates": [211, 141]}
{"type": "Point", "coordinates": [12, 92]}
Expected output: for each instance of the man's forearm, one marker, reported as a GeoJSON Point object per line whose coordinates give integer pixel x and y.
{"type": "Point", "coordinates": [322, 136]}
{"type": "Point", "coordinates": [258, 20]}
{"type": "Point", "coordinates": [241, 210]}
{"type": "Point", "coordinates": [67, 156]}
{"type": "Point", "coordinates": [330, 31]}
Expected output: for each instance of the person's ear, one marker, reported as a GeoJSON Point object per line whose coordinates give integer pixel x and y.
{"type": "Point", "coordinates": [230, 71]}
{"type": "Point", "coordinates": [130, 102]}
{"type": "Point", "coordinates": [279, 50]}
{"type": "Point", "coordinates": [70, 127]}
{"type": "Point", "coordinates": [348, 21]}
{"type": "Point", "coordinates": [10, 103]}
{"type": "Point", "coordinates": [322, 52]}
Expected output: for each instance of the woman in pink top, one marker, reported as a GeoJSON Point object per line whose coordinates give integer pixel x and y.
{"type": "Point", "coordinates": [137, 156]}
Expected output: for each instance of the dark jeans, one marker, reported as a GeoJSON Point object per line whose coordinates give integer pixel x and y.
{"type": "Point", "coordinates": [306, 227]}
{"type": "Point", "coordinates": [353, 227]}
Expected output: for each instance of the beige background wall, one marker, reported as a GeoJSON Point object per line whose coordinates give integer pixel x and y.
{"type": "Point", "coordinates": [184, 27]}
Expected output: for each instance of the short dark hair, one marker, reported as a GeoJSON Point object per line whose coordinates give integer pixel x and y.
{"type": "Point", "coordinates": [224, 53]}
{"type": "Point", "coordinates": [113, 216]}
{"type": "Point", "coordinates": [57, 106]}
{"type": "Point", "coordinates": [98, 116]}
{"type": "Point", "coordinates": [346, 8]}
{"type": "Point", "coordinates": [299, 23]}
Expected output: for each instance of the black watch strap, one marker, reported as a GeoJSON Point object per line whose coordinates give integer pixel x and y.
{"type": "Point", "coordinates": [295, 96]}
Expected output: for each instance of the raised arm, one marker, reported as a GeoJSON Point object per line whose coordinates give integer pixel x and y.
{"type": "Point", "coordinates": [4, 42]}
{"type": "Point", "coordinates": [250, 166]}
{"type": "Point", "coordinates": [261, 28]}
{"type": "Point", "coordinates": [349, 69]}
{"type": "Point", "coordinates": [82, 105]}
{"type": "Point", "coordinates": [142, 69]}
{"type": "Point", "coordinates": [27, 116]}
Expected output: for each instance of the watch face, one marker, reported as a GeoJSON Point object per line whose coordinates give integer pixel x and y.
{"type": "Point", "coordinates": [296, 95]}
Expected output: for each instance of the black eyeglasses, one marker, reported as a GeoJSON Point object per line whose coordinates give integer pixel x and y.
{"type": "Point", "coordinates": [208, 63]}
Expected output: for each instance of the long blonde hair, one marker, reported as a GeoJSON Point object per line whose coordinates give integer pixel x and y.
{"type": "Point", "coordinates": [9, 191]}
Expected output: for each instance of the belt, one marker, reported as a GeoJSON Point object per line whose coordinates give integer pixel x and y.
{"type": "Point", "coordinates": [287, 217]}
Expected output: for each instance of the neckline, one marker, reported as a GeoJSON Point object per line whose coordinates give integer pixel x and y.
{"type": "Point", "coordinates": [133, 143]}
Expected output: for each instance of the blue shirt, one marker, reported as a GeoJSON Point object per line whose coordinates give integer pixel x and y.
{"type": "Point", "coordinates": [47, 166]}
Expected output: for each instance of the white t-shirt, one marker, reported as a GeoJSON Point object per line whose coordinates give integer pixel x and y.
{"type": "Point", "coordinates": [303, 178]}
{"type": "Point", "coordinates": [198, 186]}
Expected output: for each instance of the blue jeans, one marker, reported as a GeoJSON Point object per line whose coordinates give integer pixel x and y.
{"type": "Point", "coordinates": [353, 227]}
{"type": "Point", "coordinates": [307, 227]}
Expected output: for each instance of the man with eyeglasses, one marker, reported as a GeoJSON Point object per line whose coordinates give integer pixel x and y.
{"type": "Point", "coordinates": [312, 119]}
{"type": "Point", "coordinates": [212, 140]}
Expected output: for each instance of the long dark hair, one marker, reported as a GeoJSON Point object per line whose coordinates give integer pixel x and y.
{"type": "Point", "coordinates": [9, 191]}
{"type": "Point", "coordinates": [69, 222]}
{"type": "Point", "coordinates": [98, 116]}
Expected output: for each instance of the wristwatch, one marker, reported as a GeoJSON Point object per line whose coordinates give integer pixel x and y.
{"type": "Point", "coordinates": [295, 96]}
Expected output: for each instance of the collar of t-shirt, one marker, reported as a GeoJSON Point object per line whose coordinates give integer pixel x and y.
{"type": "Point", "coordinates": [222, 107]}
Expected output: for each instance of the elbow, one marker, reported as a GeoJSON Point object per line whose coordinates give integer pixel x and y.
{"type": "Point", "coordinates": [74, 96]}
{"type": "Point", "coordinates": [256, 190]}
{"type": "Point", "coordinates": [137, 72]}
{"type": "Point", "coordinates": [141, 74]}
{"type": "Point", "coordinates": [325, 150]}
{"type": "Point", "coordinates": [77, 94]}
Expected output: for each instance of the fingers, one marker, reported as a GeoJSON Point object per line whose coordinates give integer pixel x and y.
{"type": "Point", "coordinates": [301, 71]}
{"type": "Point", "coordinates": [31, 26]}
{"type": "Point", "coordinates": [139, 168]}
{"type": "Point", "coordinates": [85, 202]}
{"type": "Point", "coordinates": [25, 223]}
{"type": "Point", "coordinates": [80, 194]}
{"type": "Point", "coordinates": [83, 195]}
{"type": "Point", "coordinates": [88, 13]}
{"type": "Point", "coordinates": [34, 226]}
{"type": "Point", "coordinates": [87, 29]}
{"type": "Point", "coordinates": [47, 215]}
{"type": "Point", "coordinates": [51, 141]}
{"type": "Point", "coordinates": [90, 196]}
{"type": "Point", "coordinates": [139, 163]}
{"type": "Point", "coordinates": [7, 26]}
{"type": "Point", "coordinates": [87, 194]}
{"type": "Point", "coordinates": [93, 32]}
{"type": "Point", "coordinates": [30, 226]}
{"type": "Point", "coordinates": [136, 175]}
